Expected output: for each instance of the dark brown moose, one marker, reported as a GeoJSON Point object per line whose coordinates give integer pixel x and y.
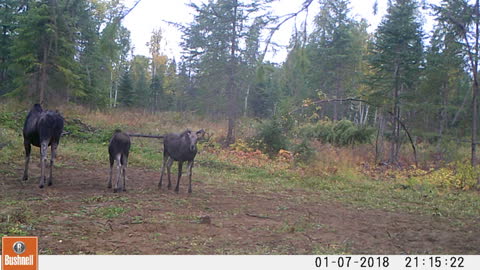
{"type": "Point", "coordinates": [42, 129]}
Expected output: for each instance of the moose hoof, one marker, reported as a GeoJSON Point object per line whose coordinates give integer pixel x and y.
{"type": "Point", "coordinates": [124, 190]}
{"type": "Point", "coordinates": [25, 178]}
{"type": "Point", "coordinates": [109, 186]}
{"type": "Point", "coordinates": [40, 186]}
{"type": "Point", "coordinates": [189, 190]}
{"type": "Point", "coordinates": [115, 190]}
{"type": "Point", "coordinates": [50, 183]}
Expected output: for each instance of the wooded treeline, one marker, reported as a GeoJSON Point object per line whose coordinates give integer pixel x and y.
{"type": "Point", "coordinates": [78, 51]}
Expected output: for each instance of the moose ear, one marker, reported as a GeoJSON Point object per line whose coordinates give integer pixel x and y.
{"type": "Point", "coordinates": [200, 133]}
{"type": "Point", "coordinates": [37, 107]}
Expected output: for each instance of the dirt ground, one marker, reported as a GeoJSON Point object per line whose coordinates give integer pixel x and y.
{"type": "Point", "coordinates": [74, 216]}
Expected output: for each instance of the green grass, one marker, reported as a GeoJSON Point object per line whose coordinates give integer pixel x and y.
{"type": "Point", "coordinates": [359, 192]}
{"type": "Point", "coordinates": [16, 219]}
{"type": "Point", "coordinates": [110, 212]}
{"type": "Point", "coordinates": [105, 198]}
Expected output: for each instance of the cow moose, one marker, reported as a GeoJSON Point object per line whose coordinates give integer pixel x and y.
{"type": "Point", "coordinates": [42, 128]}
{"type": "Point", "coordinates": [118, 150]}
{"type": "Point", "coordinates": [180, 147]}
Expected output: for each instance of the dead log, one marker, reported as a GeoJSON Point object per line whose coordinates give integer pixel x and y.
{"type": "Point", "coordinates": [146, 136]}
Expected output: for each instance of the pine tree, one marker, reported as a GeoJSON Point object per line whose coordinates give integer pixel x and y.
{"type": "Point", "coordinates": [156, 92]}
{"type": "Point", "coordinates": [10, 12]}
{"type": "Point", "coordinates": [125, 90]}
{"type": "Point", "coordinates": [333, 52]}
{"type": "Point", "coordinates": [260, 98]}
{"type": "Point", "coordinates": [396, 61]}
{"type": "Point", "coordinates": [443, 87]}
{"type": "Point", "coordinates": [463, 18]}
{"type": "Point", "coordinates": [139, 72]}
{"type": "Point", "coordinates": [213, 47]}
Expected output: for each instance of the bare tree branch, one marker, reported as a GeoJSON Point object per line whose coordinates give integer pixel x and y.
{"type": "Point", "coordinates": [286, 18]}
{"type": "Point", "coordinates": [129, 10]}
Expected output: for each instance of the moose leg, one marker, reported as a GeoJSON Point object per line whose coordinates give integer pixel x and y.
{"type": "Point", "coordinates": [28, 149]}
{"type": "Point", "coordinates": [112, 161]}
{"type": "Point", "coordinates": [52, 159]}
{"type": "Point", "coordinates": [189, 168]}
{"type": "Point", "coordinates": [124, 169]}
{"type": "Point", "coordinates": [177, 188]}
{"type": "Point", "coordinates": [165, 159]}
{"type": "Point", "coordinates": [169, 166]}
{"type": "Point", "coordinates": [119, 172]}
{"type": "Point", "coordinates": [43, 160]}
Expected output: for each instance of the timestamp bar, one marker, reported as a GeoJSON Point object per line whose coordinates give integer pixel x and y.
{"type": "Point", "coordinates": [276, 262]}
{"type": "Point", "coordinates": [413, 262]}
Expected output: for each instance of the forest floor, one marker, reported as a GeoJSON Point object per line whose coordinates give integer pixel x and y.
{"type": "Point", "coordinates": [79, 215]}
{"type": "Point", "coordinates": [242, 202]}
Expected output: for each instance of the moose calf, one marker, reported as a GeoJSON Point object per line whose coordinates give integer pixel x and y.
{"type": "Point", "coordinates": [180, 147]}
{"type": "Point", "coordinates": [118, 150]}
{"type": "Point", "coordinates": [42, 129]}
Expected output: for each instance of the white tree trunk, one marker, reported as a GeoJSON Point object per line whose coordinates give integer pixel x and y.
{"type": "Point", "coordinates": [246, 102]}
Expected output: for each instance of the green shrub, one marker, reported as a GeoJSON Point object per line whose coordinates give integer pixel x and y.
{"type": "Point", "coordinates": [341, 133]}
{"type": "Point", "coordinates": [303, 152]}
{"type": "Point", "coordinates": [272, 137]}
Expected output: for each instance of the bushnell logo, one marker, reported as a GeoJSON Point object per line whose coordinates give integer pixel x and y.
{"type": "Point", "coordinates": [19, 247]}
{"type": "Point", "coordinates": [19, 253]}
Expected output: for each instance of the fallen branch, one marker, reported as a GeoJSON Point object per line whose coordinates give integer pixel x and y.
{"type": "Point", "coordinates": [257, 216]}
{"type": "Point", "coordinates": [146, 136]}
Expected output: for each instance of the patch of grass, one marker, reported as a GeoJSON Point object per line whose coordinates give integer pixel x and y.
{"type": "Point", "coordinates": [215, 164]}
{"type": "Point", "coordinates": [14, 230]}
{"type": "Point", "coordinates": [180, 202]}
{"type": "Point", "coordinates": [12, 120]}
{"type": "Point", "coordinates": [146, 157]}
{"type": "Point", "coordinates": [15, 218]}
{"type": "Point", "coordinates": [11, 146]}
{"type": "Point", "coordinates": [330, 249]}
{"type": "Point", "coordinates": [84, 151]}
{"type": "Point", "coordinates": [155, 236]}
{"type": "Point", "coordinates": [104, 198]}
{"type": "Point", "coordinates": [137, 220]}
{"type": "Point", "coordinates": [353, 189]}
{"type": "Point", "coordinates": [110, 212]}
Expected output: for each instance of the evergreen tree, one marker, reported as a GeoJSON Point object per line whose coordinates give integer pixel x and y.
{"type": "Point", "coordinates": [463, 18]}
{"type": "Point", "coordinates": [55, 49]}
{"type": "Point", "coordinates": [156, 92]}
{"type": "Point", "coordinates": [443, 87]}
{"type": "Point", "coordinates": [214, 46]}
{"type": "Point", "coordinates": [333, 52]}
{"type": "Point", "coordinates": [10, 12]}
{"type": "Point", "coordinates": [396, 62]}
{"type": "Point", "coordinates": [126, 91]}
{"type": "Point", "coordinates": [141, 80]}
{"type": "Point", "coordinates": [260, 103]}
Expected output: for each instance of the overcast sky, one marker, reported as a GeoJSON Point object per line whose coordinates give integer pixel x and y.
{"type": "Point", "coordinates": [151, 14]}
